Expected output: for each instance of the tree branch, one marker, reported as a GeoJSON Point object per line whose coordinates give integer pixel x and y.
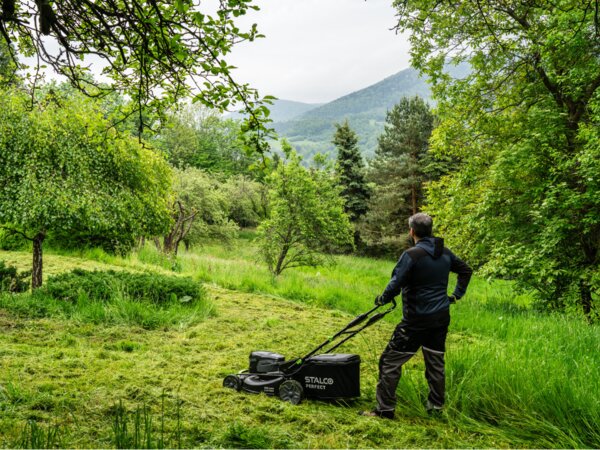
{"type": "Point", "coordinates": [12, 230]}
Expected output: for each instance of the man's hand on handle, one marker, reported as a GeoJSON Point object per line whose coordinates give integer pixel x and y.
{"type": "Point", "coordinates": [380, 300]}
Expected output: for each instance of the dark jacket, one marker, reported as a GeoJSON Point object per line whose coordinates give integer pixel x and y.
{"type": "Point", "coordinates": [422, 275]}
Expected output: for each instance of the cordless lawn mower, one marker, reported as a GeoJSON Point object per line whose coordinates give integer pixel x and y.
{"type": "Point", "coordinates": [327, 376]}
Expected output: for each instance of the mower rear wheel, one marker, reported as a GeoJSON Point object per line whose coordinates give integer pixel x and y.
{"type": "Point", "coordinates": [232, 382]}
{"type": "Point", "coordinates": [291, 391]}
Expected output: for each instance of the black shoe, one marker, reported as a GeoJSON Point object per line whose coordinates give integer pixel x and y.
{"type": "Point", "coordinates": [376, 413]}
{"type": "Point", "coordinates": [434, 410]}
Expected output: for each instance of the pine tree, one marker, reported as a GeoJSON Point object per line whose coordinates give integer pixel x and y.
{"type": "Point", "coordinates": [398, 172]}
{"type": "Point", "coordinates": [351, 173]}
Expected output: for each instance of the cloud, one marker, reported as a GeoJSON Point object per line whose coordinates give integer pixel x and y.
{"type": "Point", "coordinates": [319, 50]}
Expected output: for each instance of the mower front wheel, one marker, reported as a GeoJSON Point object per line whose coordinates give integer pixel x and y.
{"type": "Point", "coordinates": [291, 391]}
{"type": "Point", "coordinates": [232, 382]}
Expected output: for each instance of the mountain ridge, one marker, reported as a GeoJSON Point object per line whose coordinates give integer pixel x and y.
{"type": "Point", "coordinates": [365, 109]}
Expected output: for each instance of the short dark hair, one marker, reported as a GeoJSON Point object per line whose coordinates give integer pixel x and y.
{"type": "Point", "coordinates": [421, 224]}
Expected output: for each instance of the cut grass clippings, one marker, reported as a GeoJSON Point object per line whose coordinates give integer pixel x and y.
{"type": "Point", "coordinates": [515, 378]}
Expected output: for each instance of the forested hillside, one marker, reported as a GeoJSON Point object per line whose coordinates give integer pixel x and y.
{"type": "Point", "coordinates": [365, 111]}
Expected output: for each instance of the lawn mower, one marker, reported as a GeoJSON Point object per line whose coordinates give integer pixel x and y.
{"type": "Point", "coordinates": [327, 376]}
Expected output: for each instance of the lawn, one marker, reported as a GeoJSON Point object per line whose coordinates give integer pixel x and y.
{"type": "Point", "coordinates": [516, 378]}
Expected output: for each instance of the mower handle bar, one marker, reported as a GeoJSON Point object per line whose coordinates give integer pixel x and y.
{"type": "Point", "coordinates": [349, 329]}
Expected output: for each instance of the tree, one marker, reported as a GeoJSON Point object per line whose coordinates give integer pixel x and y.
{"type": "Point", "coordinates": [7, 65]}
{"type": "Point", "coordinates": [524, 123]}
{"type": "Point", "coordinates": [199, 210]}
{"type": "Point", "coordinates": [154, 51]}
{"type": "Point", "coordinates": [201, 138]}
{"type": "Point", "coordinates": [248, 200]}
{"type": "Point", "coordinates": [398, 173]}
{"type": "Point", "coordinates": [350, 170]}
{"type": "Point", "coordinates": [307, 217]}
{"type": "Point", "coordinates": [63, 170]}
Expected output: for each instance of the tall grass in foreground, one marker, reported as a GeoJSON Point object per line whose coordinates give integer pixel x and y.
{"type": "Point", "coordinates": [35, 436]}
{"type": "Point", "coordinates": [532, 378]}
{"type": "Point", "coordinates": [535, 376]}
{"type": "Point", "coordinates": [142, 429]}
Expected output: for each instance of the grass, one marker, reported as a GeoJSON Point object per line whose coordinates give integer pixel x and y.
{"type": "Point", "coordinates": [121, 310]}
{"type": "Point", "coordinates": [516, 378]}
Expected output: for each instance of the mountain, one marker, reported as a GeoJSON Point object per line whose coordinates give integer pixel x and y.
{"type": "Point", "coordinates": [284, 110]}
{"type": "Point", "coordinates": [365, 110]}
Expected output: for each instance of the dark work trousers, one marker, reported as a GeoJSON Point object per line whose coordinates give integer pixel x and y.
{"type": "Point", "coordinates": [405, 342]}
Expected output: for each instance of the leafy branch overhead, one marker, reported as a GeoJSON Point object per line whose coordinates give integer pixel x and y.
{"type": "Point", "coordinates": [155, 51]}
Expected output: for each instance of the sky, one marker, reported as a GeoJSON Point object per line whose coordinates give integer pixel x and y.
{"type": "Point", "coordinates": [318, 50]}
{"type": "Point", "coordinates": [314, 51]}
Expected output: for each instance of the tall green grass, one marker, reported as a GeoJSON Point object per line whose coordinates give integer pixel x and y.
{"type": "Point", "coordinates": [530, 378]}
{"type": "Point", "coordinates": [37, 436]}
{"type": "Point", "coordinates": [535, 377]}
{"type": "Point", "coordinates": [121, 310]}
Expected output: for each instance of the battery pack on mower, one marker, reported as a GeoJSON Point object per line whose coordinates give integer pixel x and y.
{"type": "Point", "coordinates": [263, 362]}
{"type": "Point", "coordinates": [330, 375]}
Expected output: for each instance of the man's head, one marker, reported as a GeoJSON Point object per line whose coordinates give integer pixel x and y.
{"type": "Point", "coordinates": [421, 225]}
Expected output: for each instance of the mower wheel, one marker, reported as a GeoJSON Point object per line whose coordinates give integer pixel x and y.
{"type": "Point", "coordinates": [232, 382]}
{"type": "Point", "coordinates": [291, 391]}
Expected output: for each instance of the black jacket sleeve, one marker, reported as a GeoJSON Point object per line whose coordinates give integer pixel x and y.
{"type": "Point", "coordinates": [399, 277]}
{"type": "Point", "coordinates": [464, 272]}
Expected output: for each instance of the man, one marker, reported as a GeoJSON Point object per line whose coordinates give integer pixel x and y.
{"type": "Point", "coordinates": [422, 276]}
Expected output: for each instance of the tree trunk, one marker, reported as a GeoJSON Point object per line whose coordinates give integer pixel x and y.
{"type": "Point", "coordinates": [168, 243]}
{"type": "Point", "coordinates": [413, 191]}
{"type": "Point", "coordinates": [585, 292]}
{"type": "Point", "coordinates": [280, 260]}
{"type": "Point", "coordinates": [36, 273]}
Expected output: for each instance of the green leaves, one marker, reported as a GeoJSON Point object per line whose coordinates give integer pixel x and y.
{"type": "Point", "coordinates": [307, 217]}
{"type": "Point", "coordinates": [64, 170]}
{"type": "Point", "coordinates": [523, 122]}
{"type": "Point", "coordinates": [156, 53]}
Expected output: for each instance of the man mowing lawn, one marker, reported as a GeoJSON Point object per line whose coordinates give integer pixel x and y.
{"type": "Point", "coordinates": [422, 275]}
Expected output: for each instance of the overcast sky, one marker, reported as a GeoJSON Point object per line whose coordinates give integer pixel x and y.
{"type": "Point", "coordinates": [318, 50]}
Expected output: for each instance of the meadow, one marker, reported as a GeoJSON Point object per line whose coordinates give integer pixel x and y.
{"type": "Point", "coordinates": [72, 378]}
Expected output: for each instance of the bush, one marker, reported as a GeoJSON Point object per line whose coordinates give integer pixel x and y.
{"type": "Point", "coordinates": [110, 285]}
{"type": "Point", "coordinates": [11, 280]}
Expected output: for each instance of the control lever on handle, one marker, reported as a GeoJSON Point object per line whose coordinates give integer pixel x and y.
{"type": "Point", "coordinates": [357, 320]}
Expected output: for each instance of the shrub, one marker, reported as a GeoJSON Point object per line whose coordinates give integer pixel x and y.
{"type": "Point", "coordinates": [109, 285]}
{"type": "Point", "coordinates": [11, 280]}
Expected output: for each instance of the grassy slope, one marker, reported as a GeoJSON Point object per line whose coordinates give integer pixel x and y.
{"type": "Point", "coordinates": [514, 378]}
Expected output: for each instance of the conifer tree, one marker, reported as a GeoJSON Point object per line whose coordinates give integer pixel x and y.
{"type": "Point", "coordinates": [350, 169]}
{"type": "Point", "coordinates": [398, 172]}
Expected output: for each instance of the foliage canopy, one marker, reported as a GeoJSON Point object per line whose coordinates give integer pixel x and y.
{"type": "Point", "coordinates": [307, 216]}
{"type": "Point", "coordinates": [524, 123]}
{"type": "Point", "coordinates": [62, 169]}
{"type": "Point", "coordinates": [154, 51]}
